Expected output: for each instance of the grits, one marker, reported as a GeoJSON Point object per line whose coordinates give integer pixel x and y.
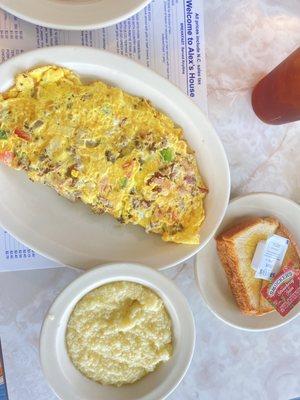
{"type": "Point", "coordinates": [118, 333]}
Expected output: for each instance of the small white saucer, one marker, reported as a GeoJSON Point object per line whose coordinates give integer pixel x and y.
{"type": "Point", "coordinates": [211, 278]}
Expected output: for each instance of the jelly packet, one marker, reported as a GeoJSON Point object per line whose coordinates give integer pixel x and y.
{"type": "Point", "coordinates": [284, 290]}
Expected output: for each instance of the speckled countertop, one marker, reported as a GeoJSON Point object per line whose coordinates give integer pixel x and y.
{"type": "Point", "coordinates": [244, 40]}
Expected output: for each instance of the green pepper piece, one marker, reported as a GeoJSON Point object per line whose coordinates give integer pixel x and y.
{"type": "Point", "coordinates": [3, 135]}
{"type": "Point", "coordinates": [123, 182]}
{"type": "Point", "coordinates": [167, 154]}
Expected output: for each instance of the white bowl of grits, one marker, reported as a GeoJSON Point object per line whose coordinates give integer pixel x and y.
{"type": "Point", "coordinates": [118, 332]}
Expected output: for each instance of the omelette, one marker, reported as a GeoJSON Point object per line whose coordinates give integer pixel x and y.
{"type": "Point", "coordinates": [113, 151]}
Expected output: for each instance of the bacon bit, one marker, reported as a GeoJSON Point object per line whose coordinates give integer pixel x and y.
{"type": "Point", "coordinates": [141, 203]}
{"type": "Point", "coordinates": [6, 157]}
{"type": "Point", "coordinates": [158, 213]}
{"type": "Point", "coordinates": [146, 203]}
{"type": "Point", "coordinates": [190, 179]}
{"type": "Point", "coordinates": [86, 96]}
{"type": "Point", "coordinates": [182, 190]}
{"type": "Point", "coordinates": [104, 202]}
{"type": "Point", "coordinates": [187, 166]}
{"type": "Point", "coordinates": [22, 134]}
{"type": "Point", "coordinates": [166, 187]}
{"type": "Point", "coordinates": [203, 189]}
{"type": "Point", "coordinates": [123, 122]}
{"type": "Point", "coordinates": [171, 214]}
{"type": "Point", "coordinates": [144, 134]}
{"type": "Point", "coordinates": [98, 209]}
{"type": "Point", "coordinates": [128, 166]}
{"type": "Point", "coordinates": [104, 186]}
{"type": "Point", "coordinates": [135, 203]}
{"type": "Point", "coordinates": [174, 215]}
{"type": "Point", "coordinates": [68, 182]}
{"type": "Point", "coordinates": [157, 178]}
{"type": "Point", "coordinates": [110, 156]}
{"type": "Point", "coordinates": [167, 170]}
{"type": "Point", "coordinates": [49, 104]}
{"type": "Point", "coordinates": [37, 124]}
{"type": "Point", "coordinates": [176, 228]}
{"type": "Point", "coordinates": [161, 183]}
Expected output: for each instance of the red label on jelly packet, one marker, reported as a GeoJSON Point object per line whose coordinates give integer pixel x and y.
{"type": "Point", "coordinates": [284, 291]}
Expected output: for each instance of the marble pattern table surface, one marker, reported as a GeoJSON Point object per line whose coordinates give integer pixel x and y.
{"type": "Point", "coordinates": [244, 40]}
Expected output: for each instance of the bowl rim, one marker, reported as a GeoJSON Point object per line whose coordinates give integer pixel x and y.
{"type": "Point", "coordinates": [20, 13]}
{"type": "Point", "coordinates": [180, 314]}
{"type": "Point", "coordinates": [197, 272]}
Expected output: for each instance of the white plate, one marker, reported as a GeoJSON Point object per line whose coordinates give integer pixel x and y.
{"type": "Point", "coordinates": [71, 233]}
{"type": "Point", "coordinates": [69, 384]}
{"type": "Point", "coordinates": [211, 277]}
{"type": "Point", "coordinates": [73, 14]}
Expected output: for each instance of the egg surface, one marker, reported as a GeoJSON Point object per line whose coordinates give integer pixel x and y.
{"type": "Point", "coordinates": [98, 144]}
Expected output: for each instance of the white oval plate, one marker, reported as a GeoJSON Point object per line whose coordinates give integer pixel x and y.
{"type": "Point", "coordinates": [69, 384]}
{"type": "Point", "coordinates": [73, 14]}
{"type": "Point", "coordinates": [210, 274]}
{"type": "Point", "coordinates": [71, 233]}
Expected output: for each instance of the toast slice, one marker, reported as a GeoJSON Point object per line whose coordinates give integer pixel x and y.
{"type": "Point", "coordinates": [236, 248]}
